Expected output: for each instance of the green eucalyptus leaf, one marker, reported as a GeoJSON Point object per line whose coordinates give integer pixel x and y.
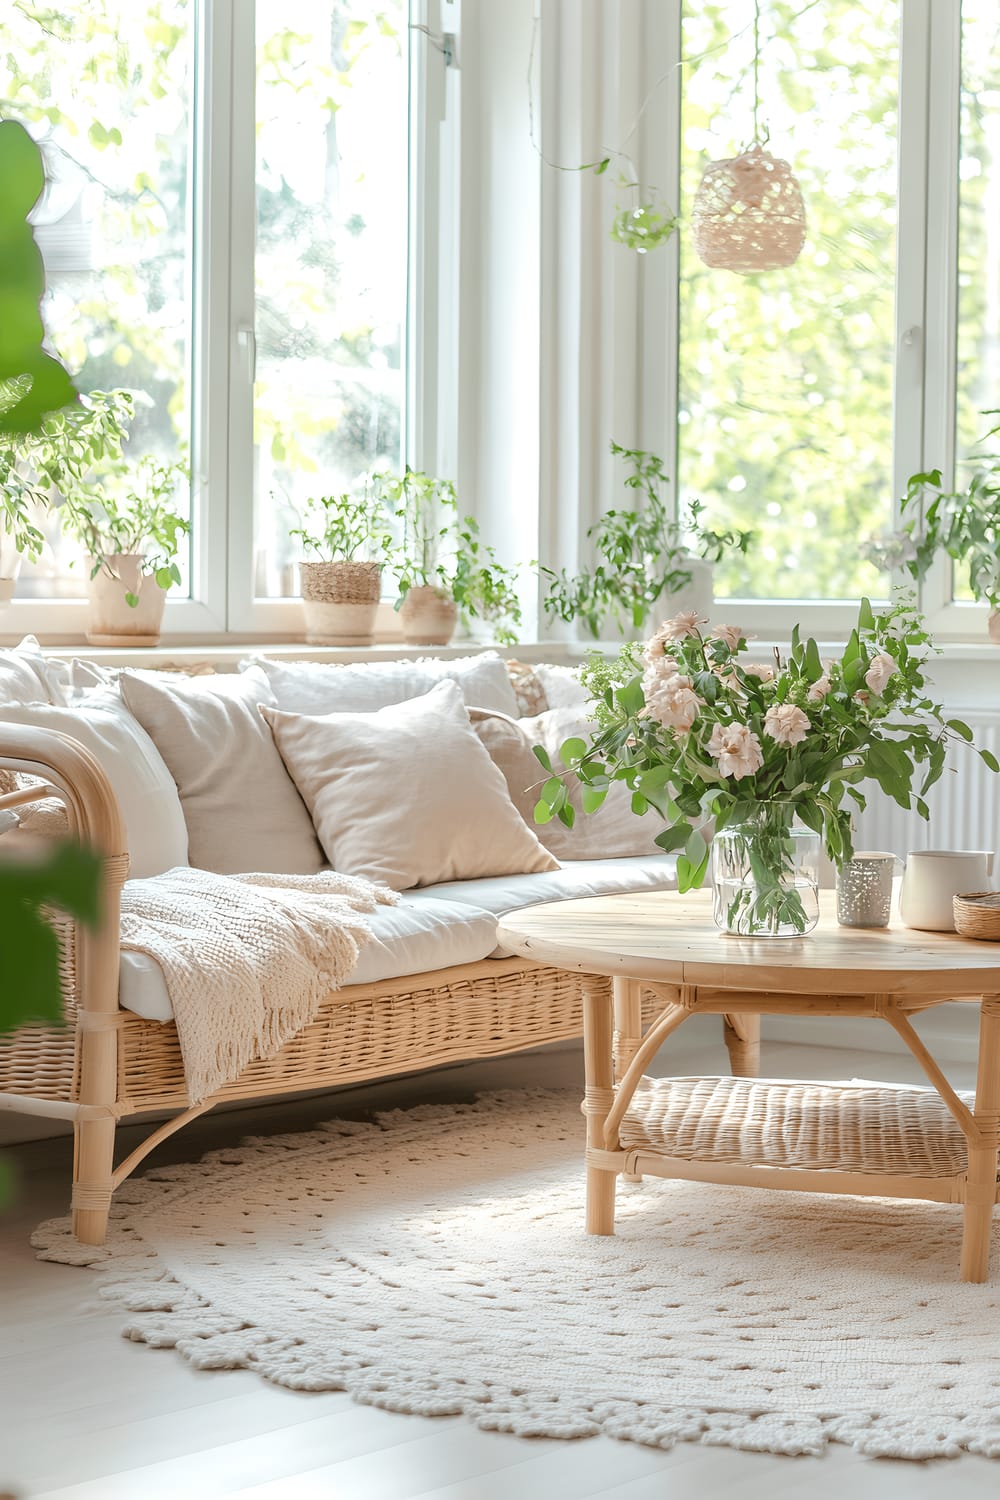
{"type": "Point", "coordinates": [673, 838]}
{"type": "Point", "coordinates": [591, 798]}
{"type": "Point", "coordinates": [572, 750]}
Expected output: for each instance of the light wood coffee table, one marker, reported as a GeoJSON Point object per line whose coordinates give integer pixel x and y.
{"type": "Point", "coordinates": [873, 1140]}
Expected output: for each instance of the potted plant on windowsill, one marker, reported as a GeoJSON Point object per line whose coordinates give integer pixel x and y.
{"type": "Point", "coordinates": [964, 523]}
{"type": "Point", "coordinates": [445, 572]}
{"type": "Point", "coordinates": [132, 545]}
{"type": "Point", "coordinates": [645, 558]}
{"type": "Point", "coordinates": [39, 467]}
{"type": "Point", "coordinates": [21, 500]}
{"type": "Point", "coordinates": [342, 585]}
{"type": "Point", "coordinates": [122, 512]}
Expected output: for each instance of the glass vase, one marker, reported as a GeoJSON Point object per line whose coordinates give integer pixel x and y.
{"type": "Point", "coordinates": [765, 875]}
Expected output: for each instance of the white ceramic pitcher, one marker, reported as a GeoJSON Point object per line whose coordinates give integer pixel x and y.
{"type": "Point", "coordinates": [932, 877]}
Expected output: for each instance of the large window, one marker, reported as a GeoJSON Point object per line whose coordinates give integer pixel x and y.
{"type": "Point", "coordinates": [315, 236]}
{"type": "Point", "coordinates": [330, 275]}
{"type": "Point", "coordinates": [106, 88]}
{"type": "Point", "coordinates": [225, 234]}
{"type": "Point", "coordinates": [786, 376]}
{"type": "Point", "coordinates": [977, 363]}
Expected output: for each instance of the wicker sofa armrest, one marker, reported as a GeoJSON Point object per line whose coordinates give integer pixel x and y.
{"type": "Point", "coordinates": [71, 773]}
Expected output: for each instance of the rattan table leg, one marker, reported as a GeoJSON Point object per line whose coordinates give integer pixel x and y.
{"type": "Point", "coordinates": [981, 1179]}
{"type": "Point", "coordinates": [742, 1036]}
{"type": "Point", "coordinates": [628, 1033]}
{"type": "Point", "coordinates": [598, 1037]}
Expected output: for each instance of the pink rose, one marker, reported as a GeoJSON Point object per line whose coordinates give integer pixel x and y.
{"type": "Point", "coordinates": [786, 724]}
{"type": "Point", "coordinates": [671, 701]}
{"type": "Point", "coordinates": [736, 750]}
{"type": "Point", "coordinates": [819, 689]}
{"type": "Point", "coordinates": [678, 626]}
{"type": "Point", "coordinates": [730, 635]}
{"type": "Point", "coordinates": [757, 669]}
{"type": "Point", "coordinates": [654, 652]}
{"type": "Point", "coordinates": [881, 669]}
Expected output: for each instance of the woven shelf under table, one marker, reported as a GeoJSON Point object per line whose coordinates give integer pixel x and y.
{"type": "Point", "coordinates": [856, 1128]}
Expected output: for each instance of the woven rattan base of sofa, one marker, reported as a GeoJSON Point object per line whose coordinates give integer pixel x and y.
{"type": "Point", "coordinates": [373, 1031]}
{"type": "Point", "coordinates": [751, 1122]}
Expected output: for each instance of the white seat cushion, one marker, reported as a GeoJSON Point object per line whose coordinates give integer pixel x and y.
{"type": "Point", "coordinates": [420, 934]}
{"type": "Point", "coordinates": [583, 877]}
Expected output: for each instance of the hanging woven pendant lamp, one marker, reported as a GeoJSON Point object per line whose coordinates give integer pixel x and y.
{"type": "Point", "coordinates": [748, 213]}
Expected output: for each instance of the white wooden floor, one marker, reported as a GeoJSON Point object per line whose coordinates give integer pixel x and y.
{"type": "Point", "coordinates": [84, 1415]}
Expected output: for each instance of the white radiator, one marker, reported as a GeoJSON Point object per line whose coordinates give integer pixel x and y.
{"type": "Point", "coordinates": [964, 804]}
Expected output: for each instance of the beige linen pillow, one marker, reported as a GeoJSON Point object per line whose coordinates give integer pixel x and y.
{"type": "Point", "coordinates": [407, 795]}
{"type": "Point", "coordinates": [613, 832]}
{"type": "Point", "coordinates": [241, 807]}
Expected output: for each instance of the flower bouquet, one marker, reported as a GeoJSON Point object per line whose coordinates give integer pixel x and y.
{"type": "Point", "coordinates": [771, 756]}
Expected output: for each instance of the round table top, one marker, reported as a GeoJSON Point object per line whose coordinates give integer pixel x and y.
{"type": "Point", "coordinates": [667, 938]}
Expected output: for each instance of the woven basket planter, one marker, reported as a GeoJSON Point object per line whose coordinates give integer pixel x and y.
{"type": "Point", "coordinates": [340, 600]}
{"type": "Point", "coordinates": [112, 620]}
{"type": "Point", "coordinates": [428, 617]}
{"type": "Point", "coordinates": [748, 214]}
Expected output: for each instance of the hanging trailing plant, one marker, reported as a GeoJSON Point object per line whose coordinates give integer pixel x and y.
{"type": "Point", "coordinates": [642, 219]}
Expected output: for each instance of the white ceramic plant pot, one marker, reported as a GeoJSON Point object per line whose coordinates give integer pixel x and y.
{"type": "Point", "coordinates": [698, 594]}
{"type": "Point", "coordinates": [10, 566]}
{"type": "Point", "coordinates": [428, 617]}
{"type": "Point", "coordinates": [340, 600]}
{"type": "Point", "coordinates": [113, 621]}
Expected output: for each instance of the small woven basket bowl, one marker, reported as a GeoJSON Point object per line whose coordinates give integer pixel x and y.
{"type": "Point", "coordinates": [977, 915]}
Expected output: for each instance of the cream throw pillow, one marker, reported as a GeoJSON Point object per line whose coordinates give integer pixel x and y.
{"type": "Point", "coordinates": [361, 687]}
{"type": "Point", "coordinates": [613, 832]}
{"type": "Point", "coordinates": [241, 807]}
{"type": "Point", "coordinates": [155, 834]}
{"type": "Point", "coordinates": [407, 795]}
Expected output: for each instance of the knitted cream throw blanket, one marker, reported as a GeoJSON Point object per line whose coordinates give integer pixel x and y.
{"type": "Point", "coordinates": [247, 959]}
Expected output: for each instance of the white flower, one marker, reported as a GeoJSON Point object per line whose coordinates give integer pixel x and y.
{"type": "Point", "coordinates": [730, 635]}
{"type": "Point", "coordinates": [736, 750]}
{"type": "Point", "coordinates": [786, 724]}
{"type": "Point", "coordinates": [678, 626]}
{"type": "Point", "coordinates": [670, 699]}
{"type": "Point", "coordinates": [819, 689]}
{"type": "Point", "coordinates": [757, 669]}
{"type": "Point", "coordinates": [878, 674]}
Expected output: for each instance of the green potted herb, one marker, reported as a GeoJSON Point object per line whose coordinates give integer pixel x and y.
{"type": "Point", "coordinates": [445, 572]}
{"type": "Point", "coordinates": [123, 512]}
{"type": "Point", "coordinates": [964, 523]}
{"type": "Point", "coordinates": [40, 468]}
{"type": "Point", "coordinates": [342, 583]}
{"type": "Point", "coordinates": [644, 559]}
{"type": "Point", "coordinates": [22, 498]}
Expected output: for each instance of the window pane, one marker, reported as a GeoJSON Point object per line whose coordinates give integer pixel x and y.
{"type": "Point", "coordinates": [785, 405]}
{"type": "Point", "coordinates": [105, 88]}
{"type": "Point", "coordinates": [978, 370]}
{"type": "Point", "coordinates": [330, 258]}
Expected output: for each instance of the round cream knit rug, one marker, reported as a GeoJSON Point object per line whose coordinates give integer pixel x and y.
{"type": "Point", "coordinates": [435, 1262]}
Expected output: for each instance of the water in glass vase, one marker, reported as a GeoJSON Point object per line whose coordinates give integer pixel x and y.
{"type": "Point", "coordinates": [765, 875]}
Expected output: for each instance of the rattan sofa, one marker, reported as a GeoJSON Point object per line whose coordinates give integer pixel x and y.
{"type": "Point", "coordinates": [107, 1064]}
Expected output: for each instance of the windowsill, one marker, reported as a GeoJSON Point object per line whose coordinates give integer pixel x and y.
{"type": "Point", "coordinates": [226, 654]}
